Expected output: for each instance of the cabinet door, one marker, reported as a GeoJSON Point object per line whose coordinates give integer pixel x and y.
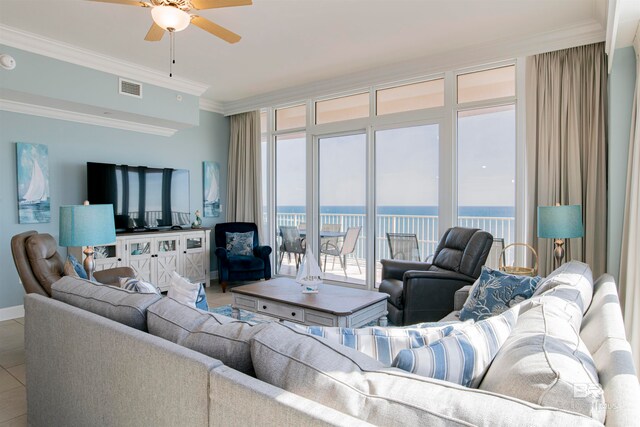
{"type": "Point", "coordinates": [166, 260]}
{"type": "Point", "coordinates": [193, 257]}
{"type": "Point", "coordinates": [140, 259]}
{"type": "Point", "coordinates": [107, 256]}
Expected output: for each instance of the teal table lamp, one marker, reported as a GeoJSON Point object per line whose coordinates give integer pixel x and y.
{"type": "Point", "coordinates": [560, 222]}
{"type": "Point", "coordinates": [87, 225]}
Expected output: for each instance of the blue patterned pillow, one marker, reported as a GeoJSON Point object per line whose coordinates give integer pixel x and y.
{"type": "Point", "coordinates": [72, 264]}
{"type": "Point", "coordinates": [495, 292]}
{"type": "Point", "coordinates": [240, 243]}
{"type": "Point", "coordinates": [382, 343]}
{"type": "Point", "coordinates": [201, 300]}
{"type": "Point", "coordinates": [136, 285]}
{"type": "Point", "coordinates": [463, 356]}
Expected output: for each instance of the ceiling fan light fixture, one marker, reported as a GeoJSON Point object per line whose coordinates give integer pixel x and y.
{"type": "Point", "coordinates": [170, 18]}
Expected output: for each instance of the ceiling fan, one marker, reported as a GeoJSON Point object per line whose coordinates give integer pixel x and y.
{"type": "Point", "coordinates": [174, 16]}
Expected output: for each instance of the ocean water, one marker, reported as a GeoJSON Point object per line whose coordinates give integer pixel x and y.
{"type": "Point", "coordinates": [481, 211]}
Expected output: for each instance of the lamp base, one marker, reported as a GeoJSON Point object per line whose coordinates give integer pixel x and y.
{"type": "Point", "coordinates": [89, 264]}
{"type": "Point", "coordinates": [558, 252]}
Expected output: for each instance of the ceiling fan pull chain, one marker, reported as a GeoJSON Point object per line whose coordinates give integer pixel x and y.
{"type": "Point", "coordinates": [171, 53]}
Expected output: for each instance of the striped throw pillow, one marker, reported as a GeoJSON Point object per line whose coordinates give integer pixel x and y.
{"type": "Point", "coordinates": [136, 285]}
{"type": "Point", "coordinates": [464, 355]}
{"type": "Point", "coordinates": [382, 344]}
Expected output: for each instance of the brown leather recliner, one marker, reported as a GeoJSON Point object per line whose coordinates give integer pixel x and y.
{"type": "Point", "coordinates": [423, 291]}
{"type": "Point", "coordinates": [39, 264]}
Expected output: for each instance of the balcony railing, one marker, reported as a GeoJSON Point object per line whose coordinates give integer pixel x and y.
{"type": "Point", "coordinates": [425, 227]}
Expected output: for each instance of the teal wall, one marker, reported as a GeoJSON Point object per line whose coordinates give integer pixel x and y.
{"type": "Point", "coordinates": [71, 145]}
{"type": "Point", "coordinates": [621, 87]}
{"type": "Point", "coordinates": [54, 79]}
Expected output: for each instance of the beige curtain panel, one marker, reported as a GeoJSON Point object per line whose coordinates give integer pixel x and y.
{"type": "Point", "coordinates": [566, 96]}
{"type": "Point", "coordinates": [630, 251]}
{"type": "Point", "coordinates": [244, 187]}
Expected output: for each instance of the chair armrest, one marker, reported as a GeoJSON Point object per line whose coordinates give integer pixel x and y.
{"type": "Point", "coordinates": [395, 268]}
{"type": "Point", "coordinates": [262, 251]}
{"type": "Point", "coordinates": [429, 295]}
{"type": "Point", "coordinates": [460, 297]}
{"type": "Point", "coordinates": [222, 253]}
{"type": "Point", "coordinates": [111, 276]}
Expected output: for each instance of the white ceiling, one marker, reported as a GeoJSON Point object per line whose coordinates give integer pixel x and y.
{"type": "Point", "coordinates": [289, 43]}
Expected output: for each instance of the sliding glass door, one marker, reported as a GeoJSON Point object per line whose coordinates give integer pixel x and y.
{"type": "Point", "coordinates": [342, 165]}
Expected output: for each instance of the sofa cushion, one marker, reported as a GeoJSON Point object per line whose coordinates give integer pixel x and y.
{"type": "Point", "coordinates": [382, 344]}
{"type": "Point", "coordinates": [217, 336]}
{"type": "Point", "coordinates": [544, 361]}
{"type": "Point", "coordinates": [464, 355]}
{"type": "Point", "coordinates": [353, 383]}
{"type": "Point", "coordinates": [575, 277]}
{"type": "Point", "coordinates": [121, 305]}
{"type": "Point", "coordinates": [495, 292]}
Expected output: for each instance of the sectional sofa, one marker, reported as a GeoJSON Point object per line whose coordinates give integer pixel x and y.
{"type": "Point", "coordinates": [99, 355]}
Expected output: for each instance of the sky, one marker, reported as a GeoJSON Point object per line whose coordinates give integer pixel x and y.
{"type": "Point", "coordinates": [407, 165]}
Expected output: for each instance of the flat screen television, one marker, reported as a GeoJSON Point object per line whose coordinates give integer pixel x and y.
{"type": "Point", "coordinates": [143, 198]}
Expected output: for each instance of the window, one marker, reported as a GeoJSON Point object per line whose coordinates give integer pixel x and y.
{"type": "Point", "coordinates": [389, 168]}
{"type": "Point", "coordinates": [407, 190]}
{"type": "Point", "coordinates": [343, 108]}
{"type": "Point", "coordinates": [410, 97]}
{"type": "Point", "coordinates": [291, 117]}
{"type": "Point", "coordinates": [487, 84]}
{"type": "Point", "coordinates": [342, 200]}
{"type": "Point", "coordinates": [291, 193]}
{"type": "Point", "coordinates": [487, 170]}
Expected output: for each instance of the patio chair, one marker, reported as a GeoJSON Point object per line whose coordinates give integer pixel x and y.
{"type": "Point", "coordinates": [348, 248]}
{"type": "Point", "coordinates": [330, 227]}
{"type": "Point", "coordinates": [403, 246]}
{"type": "Point", "coordinates": [292, 244]}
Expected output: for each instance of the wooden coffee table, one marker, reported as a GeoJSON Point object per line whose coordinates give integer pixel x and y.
{"type": "Point", "coordinates": [331, 306]}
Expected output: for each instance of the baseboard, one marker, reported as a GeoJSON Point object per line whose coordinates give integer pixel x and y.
{"type": "Point", "coordinates": [9, 313]}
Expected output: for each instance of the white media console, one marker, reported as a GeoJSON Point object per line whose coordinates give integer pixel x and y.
{"type": "Point", "coordinates": [155, 255]}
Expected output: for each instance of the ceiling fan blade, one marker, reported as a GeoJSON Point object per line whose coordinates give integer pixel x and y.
{"type": "Point", "coordinates": [125, 2]}
{"type": "Point", "coordinates": [215, 29]}
{"type": "Point", "coordinates": [213, 4]}
{"type": "Point", "coordinates": [155, 33]}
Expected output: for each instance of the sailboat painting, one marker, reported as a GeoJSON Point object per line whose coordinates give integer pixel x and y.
{"type": "Point", "coordinates": [211, 174]}
{"type": "Point", "coordinates": [33, 183]}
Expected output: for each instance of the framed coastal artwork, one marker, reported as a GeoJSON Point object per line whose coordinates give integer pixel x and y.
{"type": "Point", "coordinates": [33, 183]}
{"type": "Point", "coordinates": [211, 175]}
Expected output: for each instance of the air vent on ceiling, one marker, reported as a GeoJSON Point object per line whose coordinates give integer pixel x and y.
{"type": "Point", "coordinates": [127, 87]}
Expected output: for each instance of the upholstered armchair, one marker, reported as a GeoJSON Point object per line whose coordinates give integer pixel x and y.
{"type": "Point", "coordinates": [39, 263]}
{"type": "Point", "coordinates": [424, 292]}
{"type": "Point", "coordinates": [236, 268]}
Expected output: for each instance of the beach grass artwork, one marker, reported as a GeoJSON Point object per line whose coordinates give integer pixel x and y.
{"type": "Point", "coordinates": [211, 175]}
{"type": "Point", "coordinates": [33, 183]}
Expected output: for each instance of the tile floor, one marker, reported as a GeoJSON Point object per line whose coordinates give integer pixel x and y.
{"type": "Point", "coordinates": [13, 396]}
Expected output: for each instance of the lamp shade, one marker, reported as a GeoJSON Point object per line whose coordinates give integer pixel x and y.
{"type": "Point", "coordinates": [560, 222]}
{"type": "Point", "coordinates": [169, 17]}
{"type": "Point", "coordinates": [87, 225]}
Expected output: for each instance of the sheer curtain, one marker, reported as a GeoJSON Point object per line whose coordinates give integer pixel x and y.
{"type": "Point", "coordinates": [630, 254]}
{"type": "Point", "coordinates": [566, 98]}
{"type": "Point", "coordinates": [244, 188]}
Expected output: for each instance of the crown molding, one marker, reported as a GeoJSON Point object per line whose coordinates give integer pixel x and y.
{"type": "Point", "coordinates": [74, 116]}
{"type": "Point", "coordinates": [86, 58]}
{"type": "Point", "coordinates": [211, 105]}
{"type": "Point", "coordinates": [498, 50]}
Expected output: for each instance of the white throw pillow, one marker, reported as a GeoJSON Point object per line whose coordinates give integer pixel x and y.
{"type": "Point", "coordinates": [182, 290]}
